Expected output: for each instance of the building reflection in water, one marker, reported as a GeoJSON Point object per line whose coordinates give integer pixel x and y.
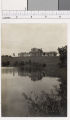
{"type": "Point", "coordinates": [34, 74]}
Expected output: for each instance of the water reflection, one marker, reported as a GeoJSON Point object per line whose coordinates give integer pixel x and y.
{"type": "Point", "coordinates": [32, 92]}
{"type": "Point", "coordinates": [33, 73]}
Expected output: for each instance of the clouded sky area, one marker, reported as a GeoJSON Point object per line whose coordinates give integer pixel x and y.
{"type": "Point", "coordinates": [22, 37]}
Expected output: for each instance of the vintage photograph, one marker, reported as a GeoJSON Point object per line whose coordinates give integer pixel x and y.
{"type": "Point", "coordinates": [34, 70]}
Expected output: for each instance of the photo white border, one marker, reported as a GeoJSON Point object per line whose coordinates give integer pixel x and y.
{"type": "Point", "coordinates": [46, 21]}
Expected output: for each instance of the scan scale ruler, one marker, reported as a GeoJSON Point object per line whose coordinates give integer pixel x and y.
{"type": "Point", "coordinates": [21, 14]}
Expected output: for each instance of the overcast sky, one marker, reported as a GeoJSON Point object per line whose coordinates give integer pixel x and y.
{"type": "Point", "coordinates": [22, 37]}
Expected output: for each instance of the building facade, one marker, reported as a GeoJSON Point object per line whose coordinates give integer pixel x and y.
{"type": "Point", "coordinates": [37, 52]}
{"type": "Point", "coordinates": [50, 53]}
{"type": "Point", "coordinates": [23, 54]}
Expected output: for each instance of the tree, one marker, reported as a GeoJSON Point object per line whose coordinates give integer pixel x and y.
{"type": "Point", "coordinates": [44, 53]}
{"type": "Point", "coordinates": [63, 54]}
{"type": "Point", "coordinates": [14, 54]}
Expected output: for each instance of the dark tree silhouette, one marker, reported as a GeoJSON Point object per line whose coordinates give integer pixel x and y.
{"type": "Point", "coordinates": [63, 55]}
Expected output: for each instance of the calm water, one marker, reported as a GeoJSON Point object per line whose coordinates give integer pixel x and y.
{"type": "Point", "coordinates": [27, 92]}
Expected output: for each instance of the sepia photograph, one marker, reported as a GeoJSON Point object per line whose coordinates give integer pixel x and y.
{"type": "Point", "coordinates": [34, 70]}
